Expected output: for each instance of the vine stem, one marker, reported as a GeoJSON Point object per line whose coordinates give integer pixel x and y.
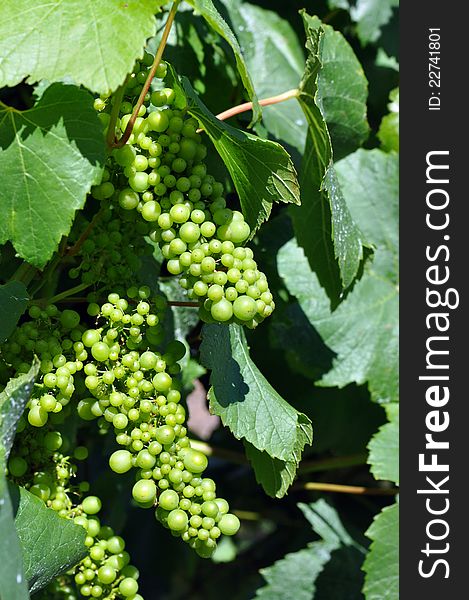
{"type": "Point", "coordinates": [177, 303]}
{"type": "Point", "coordinates": [335, 462]}
{"type": "Point", "coordinates": [345, 489]}
{"type": "Point", "coordinates": [111, 131]}
{"type": "Point", "coordinates": [208, 450]}
{"type": "Point", "coordinates": [59, 297]}
{"type": "Point", "coordinates": [240, 108]}
{"type": "Point", "coordinates": [164, 38]}
{"type": "Point", "coordinates": [24, 273]}
{"type": "Point", "coordinates": [79, 243]}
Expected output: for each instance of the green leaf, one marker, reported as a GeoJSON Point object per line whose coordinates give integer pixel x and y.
{"type": "Point", "coordinates": [208, 11]}
{"type": "Point", "coordinates": [50, 544]}
{"type": "Point", "coordinates": [342, 90]}
{"type": "Point", "coordinates": [262, 171]}
{"type": "Point", "coordinates": [244, 399]}
{"type": "Point", "coordinates": [94, 44]}
{"type": "Point", "coordinates": [370, 16]}
{"type": "Point", "coordinates": [388, 133]}
{"type": "Point", "coordinates": [13, 400]}
{"type": "Point", "coordinates": [363, 330]}
{"type": "Point", "coordinates": [266, 40]}
{"type": "Point", "coordinates": [13, 302]}
{"type": "Point", "coordinates": [382, 563]}
{"type": "Point", "coordinates": [56, 151]}
{"type": "Point", "coordinates": [299, 574]}
{"type": "Point", "coordinates": [277, 475]}
{"type": "Point", "coordinates": [323, 225]}
{"type": "Point", "coordinates": [384, 447]}
{"type": "Point", "coordinates": [13, 584]}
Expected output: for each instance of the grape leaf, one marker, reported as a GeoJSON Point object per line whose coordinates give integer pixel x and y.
{"type": "Point", "coordinates": [242, 397]}
{"type": "Point", "coordinates": [342, 91]}
{"type": "Point", "coordinates": [362, 331]}
{"type": "Point", "coordinates": [13, 584]}
{"type": "Point", "coordinates": [323, 224]}
{"type": "Point", "coordinates": [13, 400]}
{"type": "Point", "coordinates": [262, 171]}
{"type": "Point", "coordinates": [384, 447]}
{"type": "Point", "coordinates": [388, 133]}
{"type": "Point", "coordinates": [369, 15]}
{"type": "Point", "coordinates": [50, 544]}
{"type": "Point", "coordinates": [56, 151]}
{"type": "Point", "coordinates": [207, 9]}
{"type": "Point", "coordinates": [276, 62]}
{"type": "Point", "coordinates": [299, 574]}
{"type": "Point", "coordinates": [382, 562]}
{"type": "Point", "coordinates": [13, 302]}
{"type": "Point", "coordinates": [94, 44]}
{"type": "Point", "coordinates": [277, 475]}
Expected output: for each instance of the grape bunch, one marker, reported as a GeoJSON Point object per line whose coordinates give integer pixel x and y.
{"type": "Point", "coordinates": [161, 174]}
{"type": "Point", "coordinates": [55, 338]}
{"type": "Point", "coordinates": [133, 389]}
{"type": "Point", "coordinates": [112, 250]}
{"type": "Point", "coordinates": [37, 461]}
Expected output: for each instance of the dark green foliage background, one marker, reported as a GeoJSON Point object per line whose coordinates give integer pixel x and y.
{"type": "Point", "coordinates": [300, 349]}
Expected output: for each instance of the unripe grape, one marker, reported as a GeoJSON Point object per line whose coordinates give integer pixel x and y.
{"type": "Point", "coordinates": [91, 505]}
{"type": "Point", "coordinates": [195, 461]}
{"type": "Point", "coordinates": [120, 461]}
{"type": "Point", "coordinates": [177, 520]}
{"type": "Point", "coordinates": [169, 500]}
{"type": "Point", "coordinates": [229, 524]}
{"type": "Point", "coordinates": [144, 491]}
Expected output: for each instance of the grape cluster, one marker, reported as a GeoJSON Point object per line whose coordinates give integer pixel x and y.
{"type": "Point", "coordinates": [55, 337]}
{"type": "Point", "coordinates": [160, 173]}
{"type": "Point", "coordinates": [111, 252]}
{"type": "Point", "coordinates": [105, 572]}
{"type": "Point", "coordinates": [38, 463]}
{"type": "Point", "coordinates": [133, 389]}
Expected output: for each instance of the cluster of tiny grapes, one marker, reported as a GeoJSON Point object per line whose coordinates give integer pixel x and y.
{"type": "Point", "coordinates": [160, 173]}
{"type": "Point", "coordinates": [112, 249]}
{"type": "Point", "coordinates": [55, 338]}
{"type": "Point", "coordinates": [133, 389]}
{"type": "Point", "coordinates": [38, 462]}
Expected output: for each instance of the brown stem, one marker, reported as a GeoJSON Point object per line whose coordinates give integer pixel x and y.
{"type": "Point", "coordinates": [130, 125]}
{"type": "Point", "coordinates": [79, 243]}
{"type": "Point", "coordinates": [335, 462]}
{"type": "Point", "coordinates": [240, 108]}
{"type": "Point", "coordinates": [177, 303]}
{"type": "Point", "coordinates": [345, 489]}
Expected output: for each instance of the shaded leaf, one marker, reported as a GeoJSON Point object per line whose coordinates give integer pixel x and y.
{"type": "Point", "coordinates": [323, 225]}
{"type": "Point", "coordinates": [384, 447]}
{"type": "Point", "coordinates": [50, 544]}
{"type": "Point", "coordinates": [363, 330]}
{"type": "Point", "coordinates": [13, 302]}
{"type": "Point", "coordinates": [13, 400]}
{"type": "Point", "coordinates": [56, 151]}
{"type": "Point", "coordinates": [382, 562]}
{"type": "Point", "coordinates": [276, 62]}
{"type": "Point", "coordinates": [13, 584]}
{"type": "Point", "coordinates": [299, 574]}
{"type": "Point", "coordinates": [369, 15]}
{"type": "Point", "coordinates": [94, 44]}
{"type": "Point", "coordinates": [243, 398]}
{"type": "Point", "coordinates": [262, 171]}
{"type": "Point", "coordinates": [207, 9]}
